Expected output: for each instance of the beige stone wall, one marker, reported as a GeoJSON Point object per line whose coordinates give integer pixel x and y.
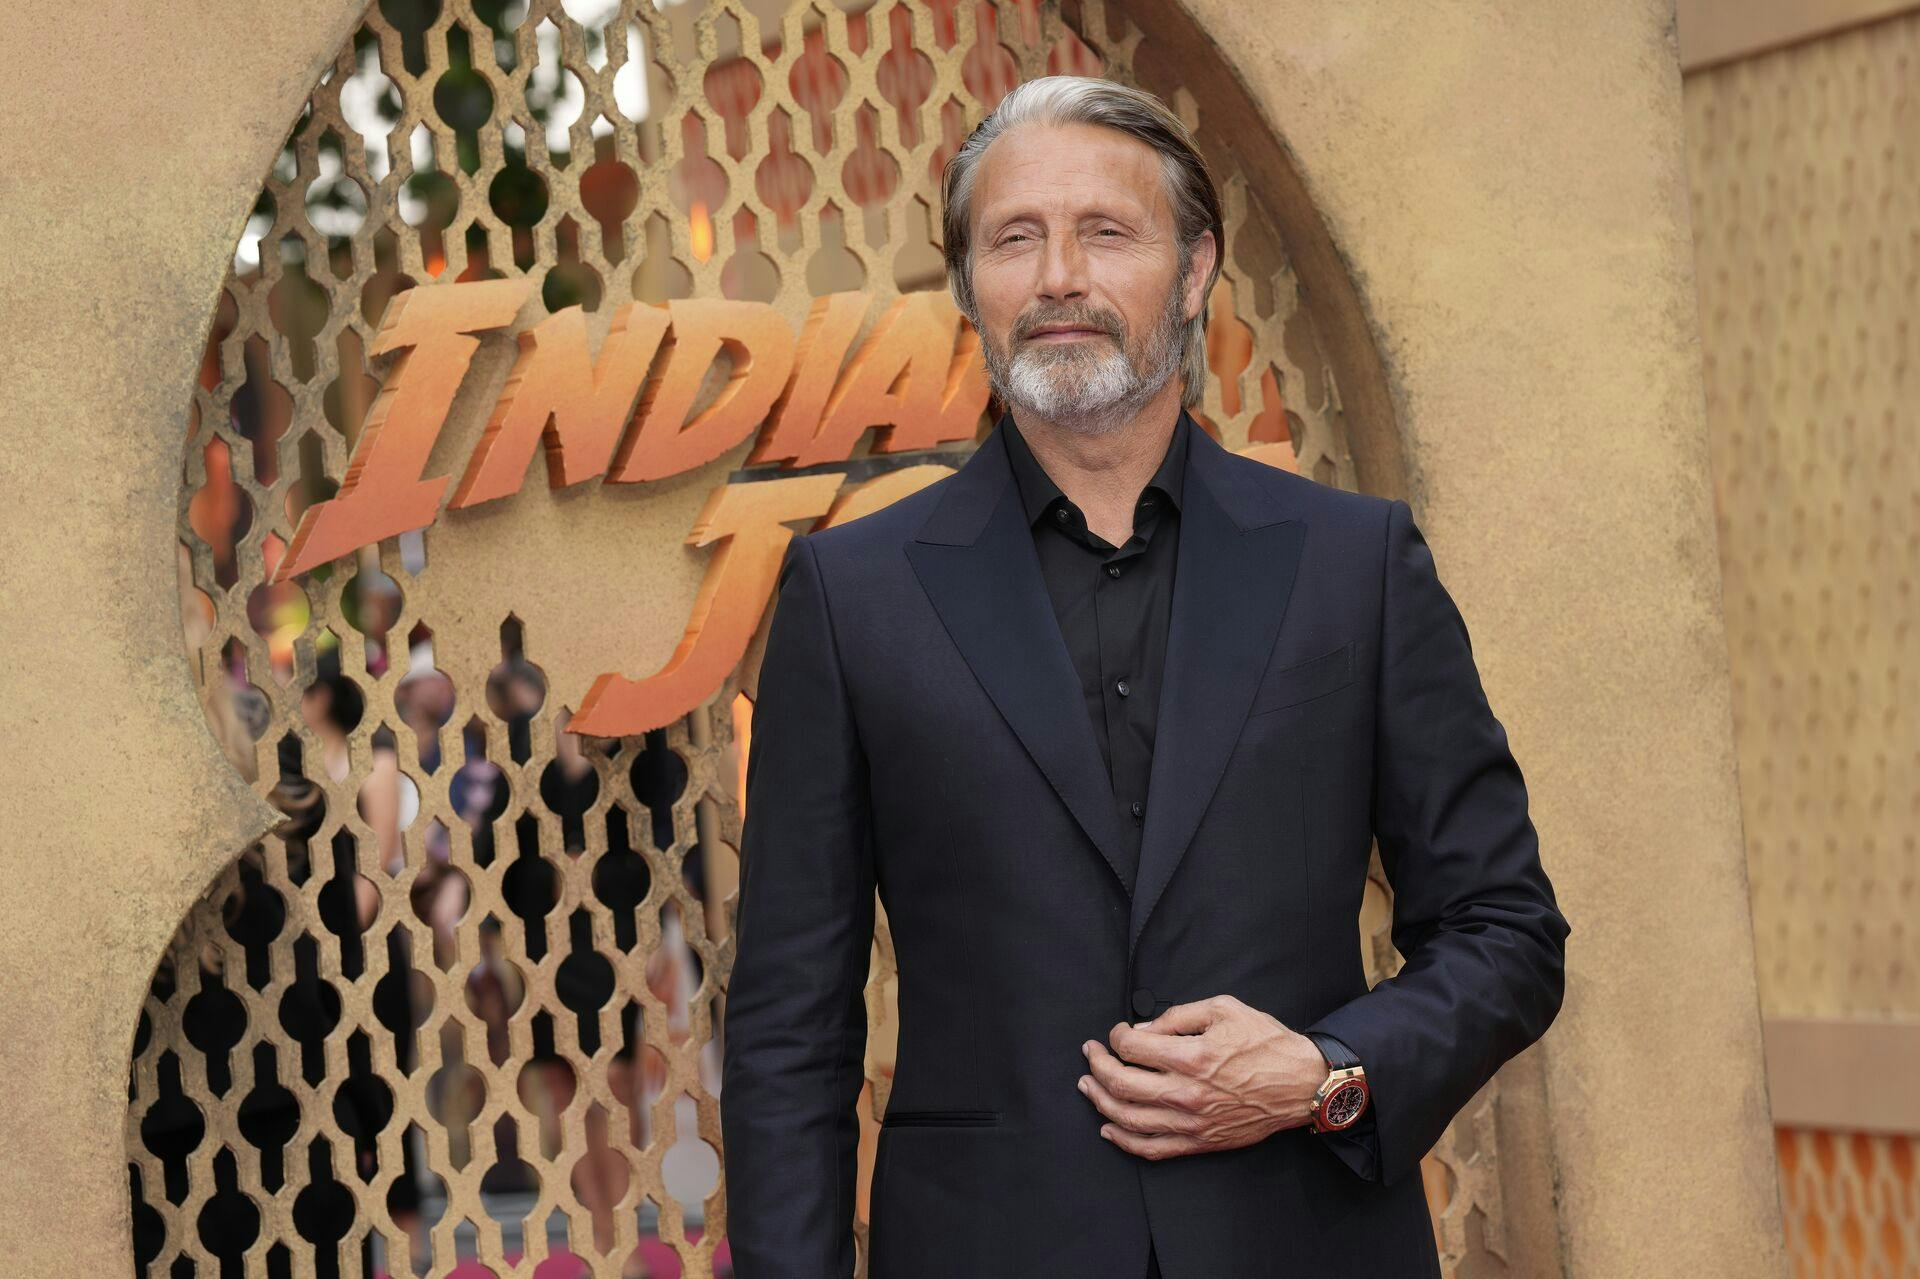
{"type": "Point", "coordinates": [1806, 195]}
{"type": "Point", "coordinates": [116, 805]}
{"type": "Point", "coordinates": [1508, 189]}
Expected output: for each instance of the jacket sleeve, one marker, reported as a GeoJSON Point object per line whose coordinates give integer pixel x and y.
{"type": "Point", "coordinates": [795, 1023]}
{"type": "Point", "coordinates": [1474, 914]}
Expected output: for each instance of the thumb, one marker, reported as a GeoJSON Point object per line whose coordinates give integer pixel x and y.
{"type": "Point", "coordinates": [1181, 1019]}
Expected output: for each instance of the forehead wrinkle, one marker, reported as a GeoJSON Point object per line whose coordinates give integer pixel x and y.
{"type": "Point", "coordinates": [1106, 159]}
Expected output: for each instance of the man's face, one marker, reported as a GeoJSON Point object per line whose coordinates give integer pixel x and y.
{"type": "Point", "coordinates": [1076, 272]}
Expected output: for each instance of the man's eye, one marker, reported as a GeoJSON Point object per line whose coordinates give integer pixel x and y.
{"type": "Point", "coordinates": [1107, 230]}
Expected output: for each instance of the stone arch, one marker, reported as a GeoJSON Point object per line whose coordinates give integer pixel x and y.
{"type": "Point", "coordinates": [461, 897]}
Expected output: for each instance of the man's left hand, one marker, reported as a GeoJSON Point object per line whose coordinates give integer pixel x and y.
{"type": "Point", "coordinates": [1211, 1075]}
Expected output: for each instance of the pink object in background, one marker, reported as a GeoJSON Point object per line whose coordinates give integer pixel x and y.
{"type": "Point", "coordinates": [662, 1263]}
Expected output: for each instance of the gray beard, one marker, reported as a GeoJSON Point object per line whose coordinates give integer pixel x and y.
{"type": "Point", "coordinates": [1089, 392]}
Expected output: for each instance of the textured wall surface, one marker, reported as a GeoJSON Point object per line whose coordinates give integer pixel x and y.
{"type": "Point", "coordinates": [1806, 198]}
{"type": "Point", "coordinates": [1508, 189]}
{"type": "Point", "coordinates": [1806, 195]}
{"type": "Point", "coordinates": [117, 807]}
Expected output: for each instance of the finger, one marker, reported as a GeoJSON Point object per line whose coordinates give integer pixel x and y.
{"type": "Point", "coordinates": [1152, 1146]}
{"type": "Point", "coordinates": [1135, 1083]}
{"type": "Point", "coordinates": [1140, 1117]}
{"type": "Point", "coordinates": [1183, 1019]}
{"type": "Point", "coordinates": [1175, 1053]}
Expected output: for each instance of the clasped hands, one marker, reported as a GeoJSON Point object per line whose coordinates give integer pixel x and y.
{"type": "Point", "coordinates": [1211, 1075]}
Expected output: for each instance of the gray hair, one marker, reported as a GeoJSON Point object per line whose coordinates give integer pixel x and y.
{"type": "Point", "coordinates": [1087, 100]}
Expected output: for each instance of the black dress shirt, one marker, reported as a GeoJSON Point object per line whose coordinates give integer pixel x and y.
{"type": "Point", "coordinates": [1114, 604]}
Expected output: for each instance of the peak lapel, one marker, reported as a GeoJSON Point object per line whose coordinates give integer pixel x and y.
{"type": "Point", "coordinates": [974, 557]}
{"type": "Point", "coordinates": [1234, 573]}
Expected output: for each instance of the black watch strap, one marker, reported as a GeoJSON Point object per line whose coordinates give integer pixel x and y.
{"type": "Point", "coordinates": [1338, 1055]}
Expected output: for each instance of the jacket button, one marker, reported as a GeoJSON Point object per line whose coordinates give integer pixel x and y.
{"type": "Point", "coordinates": [1143, 1003]}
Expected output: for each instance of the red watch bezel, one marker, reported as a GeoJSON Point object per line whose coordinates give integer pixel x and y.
{"type": "Point", "coordinates": [1321, 1102]}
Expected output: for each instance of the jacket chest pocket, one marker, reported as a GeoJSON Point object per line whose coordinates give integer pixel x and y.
{"type": "Point", "coordinates": [1304, 681]}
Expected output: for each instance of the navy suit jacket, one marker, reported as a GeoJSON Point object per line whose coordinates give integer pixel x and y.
{"type": "Point", "coordinates": [919, 732]}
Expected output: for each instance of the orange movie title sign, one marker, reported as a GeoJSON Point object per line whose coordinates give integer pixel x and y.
{"type": "Point", "coordinates": [918, 377]}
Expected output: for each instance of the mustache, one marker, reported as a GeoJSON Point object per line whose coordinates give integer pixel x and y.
{"type": "Point", "coordinates": [1078, 315]}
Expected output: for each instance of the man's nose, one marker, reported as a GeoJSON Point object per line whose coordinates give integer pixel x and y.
{"type": "Point", "coordinates": [1063, 269]}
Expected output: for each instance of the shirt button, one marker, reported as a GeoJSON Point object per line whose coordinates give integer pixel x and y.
{"type": "Point", "coordinates": [1139, 809]}
{"type": "Point", "coordinates": [1143, 1003]}
{"type": "Point", "coordinates": [1122, 687]}
{"type": "Point", "coordinates": [1060, 513]}
{"type": "Point", "coordinates": [1113, 570]}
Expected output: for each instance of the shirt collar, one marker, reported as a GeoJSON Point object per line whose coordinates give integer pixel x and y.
{"type": "Point", "coordinates": [1038, 489]}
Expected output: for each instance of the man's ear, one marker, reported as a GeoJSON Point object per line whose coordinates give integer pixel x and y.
{"type": "Point", "coordinates": [1206, 251]}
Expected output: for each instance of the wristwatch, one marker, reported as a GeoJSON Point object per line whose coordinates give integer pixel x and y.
{"type": "Point", "coordinates": [1341, 1097]}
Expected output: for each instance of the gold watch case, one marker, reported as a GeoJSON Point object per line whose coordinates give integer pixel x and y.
{"type": "Point", "coordinates": [1340, 1100]}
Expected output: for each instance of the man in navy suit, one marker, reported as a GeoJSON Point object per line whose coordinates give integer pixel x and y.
{"type": "Point", "coordinates": [1110, 719]}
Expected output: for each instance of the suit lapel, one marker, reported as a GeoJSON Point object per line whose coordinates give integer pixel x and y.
{"type": "Point", "coordinates": [975, 558]}
{"type": "Point", "coordinates": [1232, 579]}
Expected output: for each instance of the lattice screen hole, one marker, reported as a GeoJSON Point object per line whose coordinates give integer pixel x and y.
{"type": "Point", "coordinates": [268, 1116]}
{"type": "Point", "coordinates": [659, 778]}
{"type": "Point", "coordinates": [510, 1188]}
{"type": "Point", "coordinates": [479, 792]}
{"type": "Point", "coordinates": [611, 193]}
{"type": "Point", "coordinates": [309, 1010]}
{"type": "Point", "coordinates": [403, 999]}
{"type": "Point", "coordinates": [600, 1178]}
{"type": "Point", "coordinates": [149, 1227]}
{"type": "Point", "coordinates": [220, 513]}
{"type": "Point", "coordinates": [456, 1093]}
{"type": "Point", "coordinates": [569, 787]}
{"type": "Point", "coordinates": [304, 804]}
{"type": "Point", "coordinates": [348, 903]}
{"type": "Point", "coordinates": [660, 275]}
{"type": "Point", "coordinates": [570, 282]}
{"type": "Point", "coordinates": [298, 307]}
{"type": "Point", "coordinates": [584, 981]}
{"type": "Point", "coordinates": [262, 410]}
{"type": "Point", "coordinates": [516, 688]}
{"type": "Point", "coordinates": [439, 897]}
{"type": "Point", "coordinates": [215, 1021]}
{"type": "Point", "coordinates": [172, 1128]}
{"type": "Point", "coordinates": [531, 886]}
{"type": "Point", "coordinates": [323, 1213]}
{"type": "Point", "coordinates": [495, 988]}
{"type": "Point", "coordinates": [621, 880]}
{"type": "Point", "coordinates": [228, 1223]}
{"type": "Point", "coordinates": [249, 705]}
{"type": "Point", "coordinates": [834, 268]}
{"type": "Point", "coordinates": [253, 915]}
